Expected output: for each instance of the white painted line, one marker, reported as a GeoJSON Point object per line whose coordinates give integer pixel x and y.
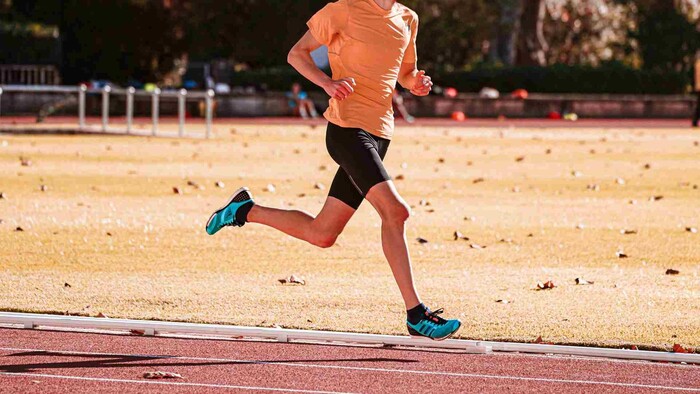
{"type": "Point", "coordinates": [370, 369]}
{"type": "Point", "coordinates": [287, 335]}
{"type": "Point", "coordinates": [218, 386]}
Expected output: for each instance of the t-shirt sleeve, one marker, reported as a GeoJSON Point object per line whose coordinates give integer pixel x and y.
{"type": "Point", "coordinates": [411, 55]}
{"type": "Point", "coordinates": [329, 21]}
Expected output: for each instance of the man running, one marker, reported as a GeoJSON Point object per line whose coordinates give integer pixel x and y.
{"type": "Point", "coordinates": [371, 47]}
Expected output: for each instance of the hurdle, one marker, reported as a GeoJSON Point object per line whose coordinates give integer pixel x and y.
{"type": "Point", "coordinates": [151, 328]}
{"type": "Point", "coordinates": [107, 93]}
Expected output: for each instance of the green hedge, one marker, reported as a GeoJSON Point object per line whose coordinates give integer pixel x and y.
{"type": "Point", "coordinates": [609, 78]}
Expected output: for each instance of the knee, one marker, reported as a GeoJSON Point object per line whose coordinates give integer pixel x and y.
{"type": "Point", "coordinates": [323, 238]}
{"type": "Point", "coordinates": [324, 241]}
{"type": "Point", "coordinates": [396, 213]}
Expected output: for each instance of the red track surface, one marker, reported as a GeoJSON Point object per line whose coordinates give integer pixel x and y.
{"type": "Point", "coordinates": [51, 361]}
{"type": "Point", "coordinates": [427, 122]}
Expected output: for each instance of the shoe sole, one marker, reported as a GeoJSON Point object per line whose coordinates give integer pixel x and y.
{"type": "Point", "coordinates": [438, 339]}
{"type": "Point", "coordinates": [230, 200]}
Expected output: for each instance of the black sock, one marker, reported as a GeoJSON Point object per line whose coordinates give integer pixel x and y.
{"type": "Point", "coordinates": [242, 212]}
{"type": "Point", "coordinates": [416, 313]}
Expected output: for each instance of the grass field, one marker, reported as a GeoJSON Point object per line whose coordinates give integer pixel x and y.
{"type": "Point", "coordinates": [108, 235]}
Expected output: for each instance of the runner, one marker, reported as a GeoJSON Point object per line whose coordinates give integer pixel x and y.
{"type": "Point", "coordinates": [371, 46]}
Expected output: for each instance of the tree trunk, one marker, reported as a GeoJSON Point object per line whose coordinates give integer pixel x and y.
{"type": "Point", "coordinates": [505, 37]}
{"type": "Point", "coordinates": [532, 46]}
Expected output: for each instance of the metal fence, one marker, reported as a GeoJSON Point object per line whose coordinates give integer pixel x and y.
{"type": "Point", "coordinates": [129, 94]}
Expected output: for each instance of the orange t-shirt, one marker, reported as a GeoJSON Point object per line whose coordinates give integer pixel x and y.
{"type": "Point", "coordinates": [367, 43]}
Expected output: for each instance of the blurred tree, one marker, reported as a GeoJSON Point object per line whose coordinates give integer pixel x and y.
{"type": "Point", "coordinates": [505, 35]}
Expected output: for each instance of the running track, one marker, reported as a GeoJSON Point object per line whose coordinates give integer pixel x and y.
{"type": "Point", "coordinates": [57, 361]}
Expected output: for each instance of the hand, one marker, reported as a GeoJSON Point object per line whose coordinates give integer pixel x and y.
{"type": "Point", "coordinates": [340, 89]}
{"type": "Point", "coordinates": [423, 84]}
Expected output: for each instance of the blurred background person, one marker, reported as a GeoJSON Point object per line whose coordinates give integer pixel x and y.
{"type": "Point", "coordinates": [300, 103]}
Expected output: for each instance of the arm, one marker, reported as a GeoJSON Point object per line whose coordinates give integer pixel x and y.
{"type": "Point", "coordinates": [300, 58]}
{"type": "Point", "coordinates": [416, 81]}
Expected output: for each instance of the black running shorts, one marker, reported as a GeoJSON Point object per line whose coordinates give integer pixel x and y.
{"type": "Point", "coordinates": [359, 155]}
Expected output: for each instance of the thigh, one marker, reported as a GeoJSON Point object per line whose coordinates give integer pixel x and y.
{"type": "Point", "coordinates": [344, 190]}
{"type": "Point", "coordinates": [333, 217]}
{"type": "Point", "coordinates": [358, 154]}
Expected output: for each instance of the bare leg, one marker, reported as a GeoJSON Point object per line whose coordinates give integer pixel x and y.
{"type": "Point", "coordinates": [394, 212]}
{"type": "Point", "coordinates": [321, 231]}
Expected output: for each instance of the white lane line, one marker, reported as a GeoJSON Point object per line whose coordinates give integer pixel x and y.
{"type": "Point", "coordinates": [371, 369]}
{"type": "Point", "coordinates": [219, 386]}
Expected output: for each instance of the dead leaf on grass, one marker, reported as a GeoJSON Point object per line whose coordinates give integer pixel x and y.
{"type": "Point", "coordinates": [576, 174]}
{"type": "Point", "coordinates": [177, 190]}
{"type": "Point", "coordinates": [583, 282]}
{"type": "Point", "coordinates": [102, 315]}
{"type": "Point", "coordinates": [548, 285]}
{"type": "Point", "coordinates": [656, 198]}
{"type": "Point", "coordinates": [19, 229]}
{"type": "Point", "coordinates": [621, 255]}
{"type": "Point", "coordinates": [620, 181]}
{"type": "Point", "coordinates": [219, 184]}
{"type": "Point", "coordinates": [400, 177]}
{"type": "Point", "coordinates": [677, 348]}
{"type": "Point", "coordinates": [539, 339]}
{"type": "Point", "coordinates": [424, 203]}
{"type": "Point", "coordinates": [137, 332]}
{"type": "Point", "coordinates": [503, 301]}
{"type": "Point", "coordinates": [422, 240]}
{"type": "Point", "coordinates": [628, 232]}
{"type": "Point", "coordinates": [580, 226]}
{"type": "Point", "coordinates": [195, 185]}
{"type": "Point", "coordinates": [67, 285]}
{"type": "Point", "coordinates": [476, 246]}
{"type": "Point", "coordinates": [672, 271]}
{"type": "Point", "coordinates": [470, 218]}
{"type": "Point", "coordinates": [692, 230]}
{"type": "Point", "coordinates": [25, 162]}
{"type": "Point", "coordinates": [647, 166]}
{"type": "Point", "coordinates": [478, 180]}
{"type": "Point", "coordinates": [293, 280]}
{"type": "Point", "coordinates": [319, 186]}
{"type": "Point", "coordinates": [594, 187]}
{"type": "Point", "coordinates": [3, 196]}
{"type": "Point", "coordinates": [519, 159]}
{"type": "Point", "coordinates": [162, 375]}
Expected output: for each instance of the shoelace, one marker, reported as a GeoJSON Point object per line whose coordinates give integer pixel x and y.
{"type": "Point", "coordinates": [434, 316]}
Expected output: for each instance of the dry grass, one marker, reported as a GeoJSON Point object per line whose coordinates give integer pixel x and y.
{"type": "Point", "coordinates": [159, 264]}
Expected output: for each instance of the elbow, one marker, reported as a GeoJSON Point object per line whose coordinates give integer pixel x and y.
{"type": "Point", "coordinates": [291, 56]}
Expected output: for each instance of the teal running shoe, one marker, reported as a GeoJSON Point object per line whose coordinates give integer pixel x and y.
{"type": "Point", "coordinates": [433, 326]}
{"type": "Point", "coordinates": [234, 213]}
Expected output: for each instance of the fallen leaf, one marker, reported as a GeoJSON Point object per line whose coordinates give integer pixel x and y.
{"type": "Point", "coordinates": [519, 159]}
{"type": "Point", "coordinates": [293, 280]}
{"type": "Point", "coordinates": [506, 240]}
{"type": "Point", "coordinates": [502, 301]}
{"type": "Point", "coordinates": [478, 180]}
{"type": "Point", "coordinates": [424, 203]}
{"type": "Point", "coordinates": [109, 234]}
{"type": "Point", "coordinates": [422, 240]}
{"type": "Point", "coordinates": [515, 189]}
{"type": "Point", "coordinates": [620, 181]}
{"type": "Point", "coordinates": [400, 177]}
{"type": "Point", "coordinates": [18, 229]}
{"type": "Point", "coordinates": [301, 195]}
{"type": "Point", "coordinates": [67, 285]}
{"type": "Point", "coordinates": [594, 187]}
{"type": "Point", "coordinates": [656, 198]}
{"type": "Point", "coordinates": [628, 232]}
{"type": "Point", "coordinates": [620, 254]}
{"type": "Point", "coordinates": [677, 348]}
{"type": "Point", "coordinates": [219, 184]}
{"type": "Point", "coordinates": [539, 339]}
{"type": "Point", "coordinates": [195, 185]}
{"type": "Point", "coordinates": [137, 332]}
{"type": "Point", "coordinates": [270, 188]}
{"type": "Point", "coordinates": [319, 186]}
{"type": "Point", "coordinates": [162, 375]}
{"type": "Point", "coordinates": [546, 285]}
{"type": "Point", "coordinates": [583, 282]}
{"type": "Point", "coordinates": [576, 174]}
{"type": "Point", "coordinates": [43, 188]}
{"type": "Point", "coordinates": [632, 202]}
{"type": "Point", "coordinates": [647, 166]}
{"type": "Point", "coordinates": [672, 271]}
{"type": "Point", "coordinates": [580, 226]}
{"type": "Point", "coordinates": [476, 246]}
{"type": "Point", "coordinates": [459, 235]}
{"type": "Point", "coordinates": [693, 230]}
{"type": "Point", "coordinates": [441, 160]}
{"type": "Point", "coordinates": [470, 218]}
{"type": "Point", "coordinates": [322, 168]}
{"type": "Point", "coordinates": [3, 196]}
{"type": "Point", "coordinates": [102, 315]}
{"type": "Point", "coordinates": [634, 347]}
{"type": "Point", "coordinates": [25, 162]}
{"type": "Point", "coordinates": [548, 152]}
{"type": "Point", "coordinates": [176, 190]}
